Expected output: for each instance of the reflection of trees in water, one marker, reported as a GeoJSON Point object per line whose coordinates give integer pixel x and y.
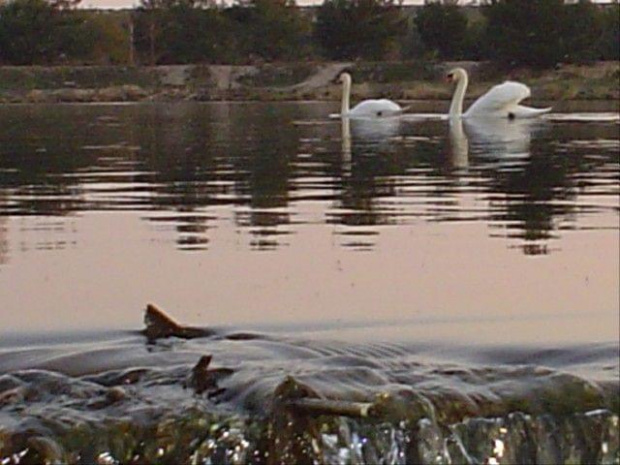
{"type": "Point", "coordinates": [530, 175]}
{"type": "Point", "coordinates": [370, 180]}
{"type": "Point", "coordinates": [526, 202]}
{"type": "Point", "coordinates": [524, 181]}
{"type": "Point", "coordinates": [184, 158]}
{"type": "Point", "coordinates": [180, 170]}
{"type": "Point", "coordinates": [36, 153]}
{"type": "Point", "coordinates": [4, 240]}
{"type": "Point", "coordinates": [57, 160]}
{"type": "Point", "coordinates": [187, 160]}
{"type": "Point", "coordinates": [49, 157]}
{"type": "Point", "coordinates": [263, 167]}
{"type": "Point", "coordinates": [369, 166]}
{"type": "Point", "coordinates": [231, 155]}
{"type": "Point", "coordinates": [536, 197]}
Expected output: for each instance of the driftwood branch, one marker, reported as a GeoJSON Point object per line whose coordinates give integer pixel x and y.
{"type": "Point", "coordinates": [297, 397]}
{"type": "Point", "coordinates": [333, 407]}
{"type": "Point", "coordinates": [160, 325]}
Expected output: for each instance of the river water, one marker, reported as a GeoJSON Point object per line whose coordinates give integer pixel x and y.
{"type": "Point", "coordinates": [462, 280]}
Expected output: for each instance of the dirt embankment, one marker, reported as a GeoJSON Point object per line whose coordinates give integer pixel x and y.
{"type": "Point", "coordinates": [291, 81]}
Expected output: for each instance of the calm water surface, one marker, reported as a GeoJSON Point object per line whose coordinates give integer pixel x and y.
{"type": "Point", "coordinates": [273, 216]}
{"type": "Point", "coordinates": [460, 283]}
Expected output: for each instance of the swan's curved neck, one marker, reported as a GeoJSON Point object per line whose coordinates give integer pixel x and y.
{"type": "Point", "coordinates": [456, 107]}
{"type": "Point", "coordinates": [346, 94]}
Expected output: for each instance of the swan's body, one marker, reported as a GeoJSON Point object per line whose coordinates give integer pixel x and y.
{"type": "Point", "coordinates": [375, 108]}
{"type": "Point", "coordinates": [367, 108]}
{"type": "Point", "coordinates": [502, 101]}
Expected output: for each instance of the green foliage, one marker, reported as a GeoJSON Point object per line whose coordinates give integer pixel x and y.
{"type": "Point", "coordinates": [75, 36]}
{"type": "Point", "coordinates": [351, 29]}
{"type": "Point", "coordinates": [581, 29]}
{"type": "Point", "coordinates": [411, 45]}
{"type": "Point", "coordinates": [270, 29]}
{"type": "Point", "coordinates": [147, 35]}
{"type": "Point", "coordinates": [36, 32]}
{"type": "Point", "coordinates": [195, 35]}
{"type": "Point", "coordinates": [27, 32]}
{"type": "Point", "coordinates": [543, 33]}
{"type": "Point", "coordinates": [443, 29]}
{"type": "Point", "coordinates": [188, 32]}
{"type": "Point", "coordinates": [530, 33]}
{"type": "Point", "coordinates": [525, 32]}
{"type": "Point", "coordinates": [475, 47]}
{"type": "Point", "coordinates": [112, 44]}
{"type": "Point", "coordinates": [608, 44]}
{"type": "Point", "coordinates": [181, 32]}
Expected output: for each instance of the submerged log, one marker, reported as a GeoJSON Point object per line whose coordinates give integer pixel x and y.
{"type": "Point", "coordinates": [297, 397]}
{"type": "Point", "coordinates": [160, 325]}
{"type": "Point", "coordinates": [333, 407]}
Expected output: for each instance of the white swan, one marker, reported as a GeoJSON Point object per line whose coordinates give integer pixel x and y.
{"type": "Point", "coordinates": [366, 108]}
{"type": "Point", "coordinates": [502, 101]}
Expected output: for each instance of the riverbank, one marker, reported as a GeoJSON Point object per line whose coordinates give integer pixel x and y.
{"type": "Point", "coordinates": [290, 81]}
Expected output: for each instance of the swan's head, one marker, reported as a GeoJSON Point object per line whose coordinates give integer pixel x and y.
{"type": "Point", "coordinates": [456, 75]}
{"type": "Point", "coordinates": [344, 77]}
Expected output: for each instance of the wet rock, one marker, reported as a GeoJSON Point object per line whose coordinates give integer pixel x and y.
{"type": "Point", "coordinates": [42, 385]}
{"type": "Point", "coordinates": [124, 93]}
{"type": "Point", "coordinates": [112, 396]}
{"type": "Point", "coordinates": [292, 434]}
{"type": "Point", "coordinates": [11, 396]}
{"type": "Point", "coordinates": [37, 96]}
{"type": "Point", "coordinates": [73, 95]}
{"type": "Point", "coordinates": [203, 378]}
{"type": "Point", "coordinates": [116, 394]}
{"type": "Point", "coordinates": [44, 450]}
{"type": "Point", "coordinates": [11, 390]}
{"type": "Point", "coordinates": [122, 378]}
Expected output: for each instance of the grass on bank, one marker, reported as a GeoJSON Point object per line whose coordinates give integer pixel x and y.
{"type": "Point", "coordinates": [397, 80]}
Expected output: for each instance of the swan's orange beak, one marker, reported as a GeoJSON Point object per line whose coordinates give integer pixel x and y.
{"type": "Point", "coordinates": [449, 77]}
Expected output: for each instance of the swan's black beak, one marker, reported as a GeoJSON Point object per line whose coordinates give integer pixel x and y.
{"type": "Point", "coordinates": [449, 77]}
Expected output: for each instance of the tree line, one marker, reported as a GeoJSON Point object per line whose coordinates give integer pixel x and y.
{"type": "Point", "coordinates": [513, 33]}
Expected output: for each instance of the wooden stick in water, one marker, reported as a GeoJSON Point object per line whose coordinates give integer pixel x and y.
{"type": "Point", "coordinates": [333, 407]}
{"type": "Point", "coordinates": [160, 325]}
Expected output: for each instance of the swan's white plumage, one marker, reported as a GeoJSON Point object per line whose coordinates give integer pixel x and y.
{"type": "Point", "coordinates": [378, 108]}
{"type": "Point", "coordinates": [501, 101]}
{"type": "Point", "coordinates": [367, 108]}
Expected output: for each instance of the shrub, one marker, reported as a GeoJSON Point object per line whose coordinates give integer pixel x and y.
{"type": "Point", "coordinates": [352, 29]}
{"type": "Point", "coordinates": [608, 44]}
{"type": "Point", "coordinates": [443, 29]}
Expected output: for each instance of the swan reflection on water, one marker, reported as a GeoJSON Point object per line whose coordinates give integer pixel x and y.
{"type": "Point", "coordinates": [459, 145]}
{"type": "Point", "coordinates": [499, 140]}
{"type": "Point", "coordinates": [372, 129]}
{"type": "Point", "coordinates": [373, 133]}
